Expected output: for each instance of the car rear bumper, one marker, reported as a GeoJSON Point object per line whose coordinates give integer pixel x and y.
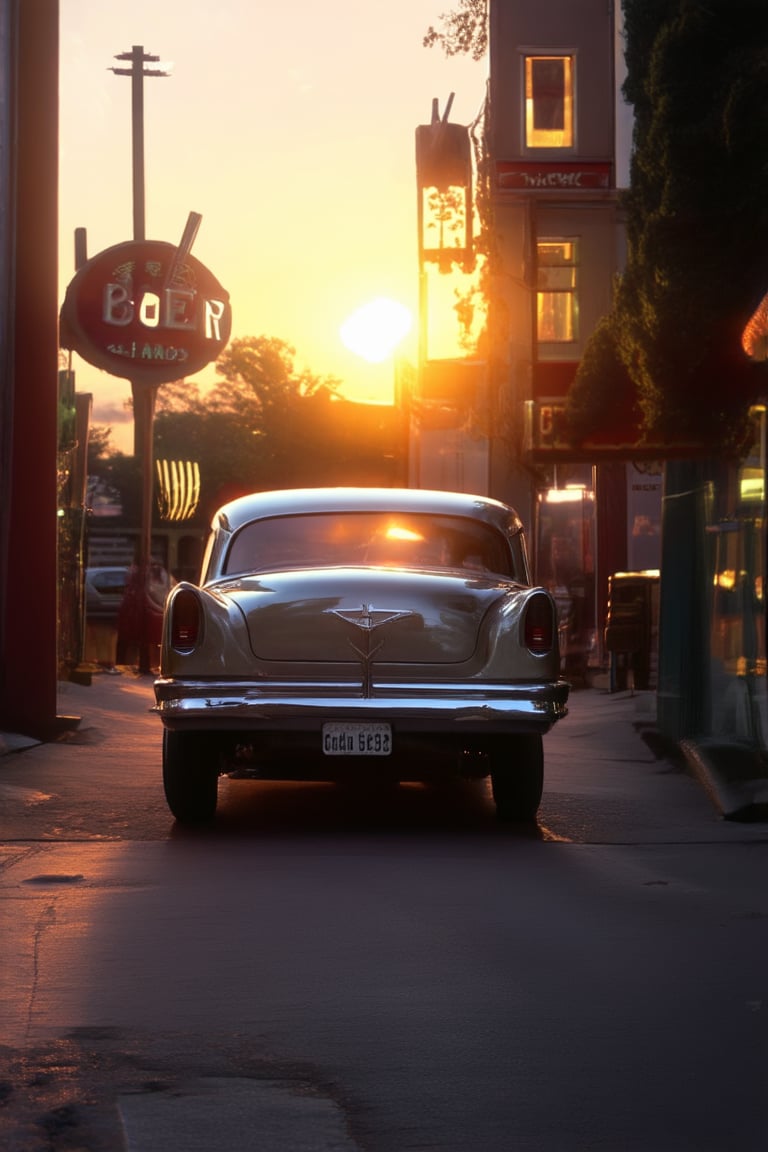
{"type": "Point", "coordinates": [185, 705]}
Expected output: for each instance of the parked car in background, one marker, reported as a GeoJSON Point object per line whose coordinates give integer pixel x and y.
{"type": "Point", "coordinates": [359, 633]}
{"type": "Point", "coordinates": [104, 591]}
{"type": "Point", "coordinates": [140, 619]}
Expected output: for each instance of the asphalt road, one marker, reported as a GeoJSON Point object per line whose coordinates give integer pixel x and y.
{"type": "Point", "coordinates": [326, 971]}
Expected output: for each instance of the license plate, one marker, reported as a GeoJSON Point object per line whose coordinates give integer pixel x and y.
{"type": "Point", "coordinates": [357, 739]}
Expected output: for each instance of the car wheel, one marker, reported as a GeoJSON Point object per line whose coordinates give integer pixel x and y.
{"type": "Point", "coordinates": [517, 777]}
{"type": "Point", "coordinates": [190, 781]}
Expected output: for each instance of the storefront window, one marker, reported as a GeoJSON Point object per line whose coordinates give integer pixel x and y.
{"type": "Point", "coordinates": [564, 563]}
{"type": "Point", "coordinates": [557, 296]}
{"type": "Point", "coordinates": [549, 101]}
{"type": "Point", "coordinates": [738, 606]}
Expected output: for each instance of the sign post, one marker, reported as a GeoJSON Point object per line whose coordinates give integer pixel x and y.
{"type": "Point", "coordinates": [151, 313]}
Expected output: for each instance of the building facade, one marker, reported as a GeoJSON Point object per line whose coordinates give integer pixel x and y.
{"type": "Point", "coordinates": [557, 148]}
{"type": "Point", "coordinates": [551, 155]}
{"type": "Point", "coordinates": [557, 154]}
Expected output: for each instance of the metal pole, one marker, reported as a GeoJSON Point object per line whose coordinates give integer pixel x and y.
{"type": "Point", "coordinates": [138, 58]}
{"type": "Point", "coordinates": [144, 395]}
{"type": "Point", "coordinates": [137, 125]}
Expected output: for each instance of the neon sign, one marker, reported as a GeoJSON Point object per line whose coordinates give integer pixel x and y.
{"type": "Point", "coordinates": [138, 311]}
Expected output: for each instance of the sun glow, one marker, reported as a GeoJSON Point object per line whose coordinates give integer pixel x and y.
{"type": "Point", "coordinates": [374, 330]}
{"type": "Point", "coordinates": [397, 532]}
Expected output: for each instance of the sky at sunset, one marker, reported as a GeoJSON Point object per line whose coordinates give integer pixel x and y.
{"type": "Point", "coordinates": [290, 129]}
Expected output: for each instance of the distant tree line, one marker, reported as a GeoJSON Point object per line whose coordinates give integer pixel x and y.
{"type": "Point", "coordinates": [262, 424]}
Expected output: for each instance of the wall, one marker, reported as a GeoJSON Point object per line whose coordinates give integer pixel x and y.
{"type": "Point", "coordinates": [28, 659]}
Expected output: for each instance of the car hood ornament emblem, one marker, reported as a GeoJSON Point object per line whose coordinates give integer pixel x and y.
{"type": "Point", "coordinates": [367, 619]}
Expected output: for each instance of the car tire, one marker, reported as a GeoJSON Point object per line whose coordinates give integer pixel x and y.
{"type": "Point", "coordinates": [190, 781]}
{"type": "Point", "coordinates": [517, 777]}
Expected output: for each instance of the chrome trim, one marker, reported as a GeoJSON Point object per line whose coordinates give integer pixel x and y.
{"type": "Point", "coordinates": [465, 707]}
{"type": "Point", "coordinates": [367, 617]}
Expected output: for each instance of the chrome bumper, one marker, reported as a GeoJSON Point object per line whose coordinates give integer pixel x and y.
{"type": "Point", "coordinates": [437, 708]}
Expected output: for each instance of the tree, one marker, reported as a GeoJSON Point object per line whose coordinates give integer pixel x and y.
{"type": "Point", "coordinates": [266, 424]}
{"type": "Point", "coordinates": [232, 431]}
{"type": "Point", "coordinates": [283, 408]}
{"type": "Point", "coordinates": [262, 424]}
{"type": "Point", "coordinates": [697, 227]}
{"type": "Point", "coordinates": [180, 396]}
{"type": "Point", "coordinates": [99, 447]}
{"type": "Point", "coordinates": [465, 30]}
{"type": "Point", "coordinates": [261, 384]}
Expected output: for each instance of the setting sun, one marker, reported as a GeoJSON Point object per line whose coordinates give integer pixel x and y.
{"type": "Point", "coordinates": [374, 330]}
{"type": "Point", "coordinates": [334, 225]}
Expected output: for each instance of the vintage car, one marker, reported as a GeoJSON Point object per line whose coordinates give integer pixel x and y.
{"type": "Point", "coordinates": [363, 634]}
{"type": "Point", "coordinates": [104, 591]}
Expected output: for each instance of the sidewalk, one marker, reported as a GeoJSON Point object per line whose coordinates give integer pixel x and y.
{"type": "Point", "coordinates": [104, 697]}
{"type": "Point", "coordinates": [732, 774]}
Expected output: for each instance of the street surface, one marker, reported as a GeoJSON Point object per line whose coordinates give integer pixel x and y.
{"type": "Point", "coordinates": [326, 970]}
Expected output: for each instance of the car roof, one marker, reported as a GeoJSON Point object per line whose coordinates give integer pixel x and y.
{"type": "Point", "coordinates": [433, 502]}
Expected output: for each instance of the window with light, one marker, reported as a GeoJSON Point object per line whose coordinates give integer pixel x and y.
{"type": "Point", "coordinates": [549, 101]}
{"type": "Point", "coordinates": [556, 291]}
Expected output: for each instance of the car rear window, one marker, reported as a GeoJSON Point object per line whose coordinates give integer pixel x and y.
{"type": "Point", "coordinates": [382, 539]}
{"type": "Point", "coordinates": [110, 582]}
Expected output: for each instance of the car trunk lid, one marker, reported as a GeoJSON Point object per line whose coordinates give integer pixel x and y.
{"type": "Point", "coordinates": [345, 614]}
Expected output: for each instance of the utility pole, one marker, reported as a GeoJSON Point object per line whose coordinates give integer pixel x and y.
{"type": "Point", "coordinates": [144, 395]}
{"type": "Point", "coordinates": [138, 58]}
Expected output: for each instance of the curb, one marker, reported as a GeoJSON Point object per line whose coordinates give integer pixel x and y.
{"type": "Point", "coordinates": [16, 742]}
{"type": "Point", "coordinates": [733, 775]}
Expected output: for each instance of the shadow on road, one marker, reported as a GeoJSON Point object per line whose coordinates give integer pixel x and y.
{"type": "Point", "coordinates": [268, 809]}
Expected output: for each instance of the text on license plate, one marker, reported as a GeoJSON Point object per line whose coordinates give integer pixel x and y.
{"type": "Point", "coordinates": [357, 739]}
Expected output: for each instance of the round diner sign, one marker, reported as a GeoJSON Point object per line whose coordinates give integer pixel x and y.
{"type": "Point", "coordinates": [143, 311]}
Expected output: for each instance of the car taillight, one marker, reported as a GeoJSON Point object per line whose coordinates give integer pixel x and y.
{"type": "Point", "coordinates": [539, 624]}
{"type": "Point", "coordinates": [186, 619]}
